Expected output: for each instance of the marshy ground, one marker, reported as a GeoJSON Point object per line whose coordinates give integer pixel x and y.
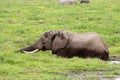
{"type": "Point", "coordinates": [23, 21]}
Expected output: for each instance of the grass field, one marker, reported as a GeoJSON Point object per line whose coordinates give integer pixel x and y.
{"type": "Point", "coordinates": [23, 21]}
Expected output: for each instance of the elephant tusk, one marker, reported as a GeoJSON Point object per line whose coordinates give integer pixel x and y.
{"type": "Point", "coordinates": [31, 51]}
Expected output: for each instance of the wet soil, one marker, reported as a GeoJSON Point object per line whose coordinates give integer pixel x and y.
{"type": "Point", "coordinates": [115, 58]}
{"type": "Point", "coordinates": [92, 76]}
{"type": "Point", "coordinates": [95, 75]}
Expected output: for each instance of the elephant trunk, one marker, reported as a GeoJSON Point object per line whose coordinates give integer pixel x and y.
{"type": "Point", "coordinates": [37, 46]}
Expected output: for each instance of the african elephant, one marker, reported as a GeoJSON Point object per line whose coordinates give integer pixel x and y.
{"type": "Point", "coordinates": [67, 2]}
{"type": "Point", "coordinates": [84, 1]}
{"type": "Point", "coordinates": [69, 44]}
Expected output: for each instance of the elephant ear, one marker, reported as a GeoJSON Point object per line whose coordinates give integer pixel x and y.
{"type": "Point", "coordinates": [60, 40]}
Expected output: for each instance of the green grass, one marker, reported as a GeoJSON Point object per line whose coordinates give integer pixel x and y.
{"type": "Point", "coordinates": [23, 21]}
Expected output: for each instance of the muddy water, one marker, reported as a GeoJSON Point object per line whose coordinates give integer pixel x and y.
{"type": "Point", "coordinates": [114, 60]}
{"type": "Point", "coordinates": [118, 78]}
{"type": "Point", "coordinates": [95, 75]}
{"type": "Point", "coordinates": [90, 76]}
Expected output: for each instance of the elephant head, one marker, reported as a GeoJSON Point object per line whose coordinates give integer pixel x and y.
{"type": "Point", "coordinates": [60, 40]}
{"type": "Point", "coordinates": [50, 40]}
{"type": "Point", "coordinates": [44, 43]}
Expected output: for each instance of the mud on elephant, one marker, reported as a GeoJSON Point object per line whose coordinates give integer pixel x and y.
{"type": "Point", "coordinates": [69, 44]}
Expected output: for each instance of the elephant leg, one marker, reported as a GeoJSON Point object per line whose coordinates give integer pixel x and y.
{"type": "Point", "coordinates": [63, 53]}
{"type": "Point", "coordinates": [53, 52]}
{"type": "Point", "coordinates": [105, 57]}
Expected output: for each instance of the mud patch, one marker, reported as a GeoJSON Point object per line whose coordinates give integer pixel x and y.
{"type": "Point", "coordinates": [118, 78]}
{"type": "Point", "coordinates": [96, 75]}
{"type": "Point", "coordinates": [114, 62]}
{"type": "Point", "coordinates": [115, 58]}
{"type": "Point", "coordinates": [92, 76]}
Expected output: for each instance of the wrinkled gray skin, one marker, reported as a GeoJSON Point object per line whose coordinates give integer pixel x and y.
{"type": "Point", "coordinates": [67, 2]}
{"type": "Point", "coordinates": [84, 1]}
{"type": "Point", "coordinates": [69, 44]}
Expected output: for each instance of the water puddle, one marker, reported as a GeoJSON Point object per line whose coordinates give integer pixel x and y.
{"type": "Point", "coordinates": [114, 62]}
{"type": "Point", "coordinates": [90, 76]}
{"type": "Point", "coordinates": [96, 75]}
{"type": "Point", "coordinates": [117, 78]}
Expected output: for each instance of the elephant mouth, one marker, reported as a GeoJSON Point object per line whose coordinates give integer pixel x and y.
{"type": "Point", "coordinates": [44, 48]}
